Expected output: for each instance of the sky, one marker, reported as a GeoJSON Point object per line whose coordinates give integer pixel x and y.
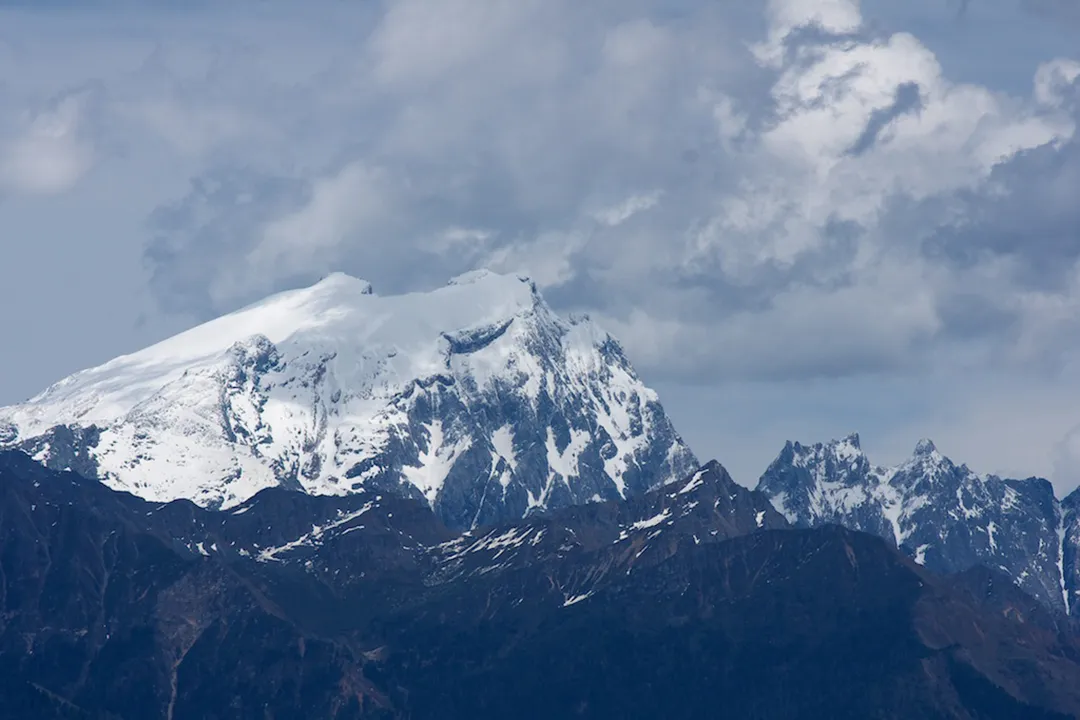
{"type": "Point", "coordinates": [801, 218]}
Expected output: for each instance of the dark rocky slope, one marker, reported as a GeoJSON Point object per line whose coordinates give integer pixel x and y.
{"type": "Point", "coordinates": [691, 601]}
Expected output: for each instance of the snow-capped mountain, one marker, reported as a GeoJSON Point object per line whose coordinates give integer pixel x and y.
{"type": "Point", "coordinates": [475, 397]}
{"type": "Point", "coordinates": [945, 516]}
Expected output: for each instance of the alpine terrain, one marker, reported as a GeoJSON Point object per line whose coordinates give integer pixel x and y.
{"type": "Point", "coordinates": [692, 600]}
{"type": "Point", "coordinates": [459, 505]}
{"type": "Point", "coordinates": [474, 397]}
{"type": "Point", "coordinates": [943, 515]}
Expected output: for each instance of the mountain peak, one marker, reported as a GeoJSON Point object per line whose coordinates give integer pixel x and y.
{"type": "Point", "coordinates": [715, 472]}
{"type": "Point", "coordinates": [344, 280]}
{"type": "Point", "coordinates": [847, 448]}
{"type": "Point", "coordinates": [714, 466]}
{"type": "Point", "coordinates": [945, 516]}
{"type": "Point", "coordinates": [478, 275]}
{"type": "Point", "coordinates": [475, 396]}
{"type": "Point", "coordinates": [925, 447]}
{"type": "Point", "coordinates": [846, 445]}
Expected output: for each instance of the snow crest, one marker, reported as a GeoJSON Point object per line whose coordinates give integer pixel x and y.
{"type": "Point", "coordinates": [475, 397]}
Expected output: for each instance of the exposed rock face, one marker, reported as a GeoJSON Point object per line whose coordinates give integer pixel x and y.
{"type": "Point", "coordinates": [475, 397]}
{"type": "Point", "coordinates": [1069, 509]}
{"type": "Point", "coordinates": [943, 515]}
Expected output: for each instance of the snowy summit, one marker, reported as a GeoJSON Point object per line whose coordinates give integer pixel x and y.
{"type": "Point", "coordinates": [944, 515]}
{"type": "Point", "coordinates": [476, 397]}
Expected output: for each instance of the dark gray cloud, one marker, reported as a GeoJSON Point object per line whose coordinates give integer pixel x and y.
{"type": "Point", "coordinates": [1067, 10]}
{"type": "Point", "coordinates": [218, 220]}
{"type": "Point", "coordinates": [1031, 219]}
{"type": "Point", "coordinates": [908, 100]}
{"type": "Point", "coordinates": [1026, 217]}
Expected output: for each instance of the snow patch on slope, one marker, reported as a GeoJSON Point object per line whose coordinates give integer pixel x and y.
{"type": "Point", "coordinates": [565, 461]}
{"type": "Point", "coordinates": [503, 442]}
{"type": "Point", "coordinates": [311, 538]}
{"type": "Point", "coordinates": [436, 459]}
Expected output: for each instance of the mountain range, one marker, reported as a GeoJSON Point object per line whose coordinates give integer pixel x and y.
{"type": "Point", "coordinates": [481, 401]}
{"type": "Point", "coordinates": [943, 515]}
{"type": "Point", "coordinates": [689, 601]}
{"type": "Point", "coordinates": [458, 504]}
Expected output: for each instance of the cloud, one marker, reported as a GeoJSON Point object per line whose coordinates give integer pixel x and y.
{"type": "Point", "coordinates": [908, 99]}
{"type": "Point", "coordinates": [219, 220]}
{"type": "Point", "coordinates": [1055, 82]}
{"type": "Point", "coordinates": [1067, 10]}
{"type": "Point", "coordinates": [620, 213]}
{"type": "Point", "coordinates": [1066, 459]}
{"type": "Point", "coordinates": [456, 154]}
{"type": "Point", "coordinates": [194, 130]}
{"type": "Point", "coordinates": [826, 235]}
{"type": "Point", "coordinates": [419, 42]}
{"type": "Point", "coordinates": [803, 332]}
{"type": "Point", "coordinates": [1055, 10]}
{"type": "Point", "coordinates": [50, 149]}
{"type": "Point", "coordinates": [548, 259]}
{"type": "Point", "coordinates": [336, 210]}
{"type": "Point", "coordinates": [777, 192]}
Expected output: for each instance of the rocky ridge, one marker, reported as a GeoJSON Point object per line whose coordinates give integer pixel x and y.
{"type": "Point", "coordinates": [692, 596]}
{"type": "Point", "coordinates": [943, 515]}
